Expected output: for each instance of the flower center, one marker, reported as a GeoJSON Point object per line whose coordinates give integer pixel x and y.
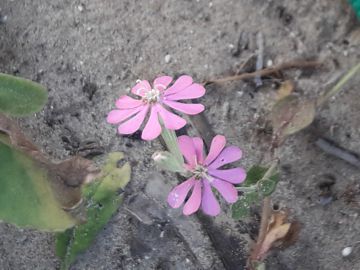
{"type": "Point", "coordinates": [200, 172]}
{"type": "Point", "coordinates": [152, 96]}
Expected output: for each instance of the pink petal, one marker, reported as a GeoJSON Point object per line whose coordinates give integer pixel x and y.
{"type": "Point", "coordinates": [141, 88]}
{"type": "Point", "coordinates": [199, 149]}
{"type": "Point", "coordinates": [185, 107]}
{"type": "Point", "coordinates": [193, 91]}
{"type": "Point", "coordinates": [188, 150]}
{"type": "Point", "coordinates": [133, 124]}
{"type": "Point", "coordinates": [227, 190]}
{"type": "Point", "coordinates": [180, 84]}
{"type": "Point", "coordinates": [152, 128]}
{"type": "Point", "coordinates": [171, 121]}
{"type": "Point", "coordinates": [235, 176]}
{"type": "Point", "coordinates": [161, 83]}
{"type": "Point", "coordinates": [117, 116]}
{"type": "Point", "coordinates": [217, 145]}
{"type": "Point", "coordinates": [126, 102]}
{"type": "Point", "coordinates": [178, 194]}
{"type": "Point", "coordinates": [228, 155]}
{"type": "Point", "coordinates": [193, 203]}
{"type": "Point", "coordinates": [209, 204]}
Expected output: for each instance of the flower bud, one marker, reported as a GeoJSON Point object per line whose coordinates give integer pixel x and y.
{"type": "Point", "coordinates": [167, 161]}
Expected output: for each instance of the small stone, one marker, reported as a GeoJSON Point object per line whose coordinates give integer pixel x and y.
{"type": "Point", "coordinates": [292, 34]}
{"type": "Point", "coordinates": [167, 58]}
{"type": "Point", "coordinates": [269, 63]}
{"type": "Point", "coordinates": [3, 19]}
{"type": "Point", "coordinates": [81, 7]}
{"type": "Point", "coordinates": [346, 251]}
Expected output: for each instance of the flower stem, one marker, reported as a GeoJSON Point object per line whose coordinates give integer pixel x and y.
{"type": "Point", "coordinates": [247, 189]}
{"type": "Point", "coordinates": [170, 140]}
{"type": "Point", "coordinates": [265, 214]}
{"type": "Point", "coordinates": [339, 86]}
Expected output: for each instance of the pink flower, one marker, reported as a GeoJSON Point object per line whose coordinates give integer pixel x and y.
{"type": "Point", "coordinates": [131, 113]}
{"type": "Point", "coordinates": [207, 174]}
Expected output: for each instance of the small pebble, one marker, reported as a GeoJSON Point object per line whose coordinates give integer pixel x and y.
{"type": "Point", "coordinates": [346, 251]}
{"type": "Point", "coordinates": [3, 19]}
{"type": "Point", "coordinates": [167, 58]}
{"type": "Point", "coordinates": [81, 7]}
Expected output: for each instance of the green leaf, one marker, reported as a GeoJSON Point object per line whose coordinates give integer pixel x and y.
{"type": "Point", "coordinates": [267, 186]}
{"type": "Point", "coordinates": [254, 174]}
{"type": "Point", "coordinates": [102, 202]}
{"type": "Point", "coordinates": [27, 198]}
{"type": "Point", "coordinates": [262, 187]}
{"type": "Point", "coordinates": [292, 114]}
{"type": "Point", "coordinates": [19, 97]}
{"type": "Point", "coordinates": [241, 208]}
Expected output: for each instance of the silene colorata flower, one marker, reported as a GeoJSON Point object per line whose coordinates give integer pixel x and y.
{"type": "Point", "coordinates": [131, 112]}
{"type": "Point", "coordinates": [206, 174]}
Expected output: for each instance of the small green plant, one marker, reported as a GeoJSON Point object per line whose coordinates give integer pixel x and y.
{"type": "Point", "coordinates": [38, 193]}
{"type": "Point", "coordinates": [102, 201]}
{"type": "Point", "coordinates": [20, 97]}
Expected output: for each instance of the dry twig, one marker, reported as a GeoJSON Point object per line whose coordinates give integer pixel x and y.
{"type": "Point", "coordinates": [267, 71]}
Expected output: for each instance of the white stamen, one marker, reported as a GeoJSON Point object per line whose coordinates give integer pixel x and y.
{"type": "Point", "coordinates": [152, 96]}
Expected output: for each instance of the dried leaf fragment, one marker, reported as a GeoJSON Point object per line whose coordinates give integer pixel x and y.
{"type": "Point", "coordinates": [290, 115]}
{"type": "Point", "coordinates": [280, 232]}
{"type": "Point", "coordinates": [285, 89]}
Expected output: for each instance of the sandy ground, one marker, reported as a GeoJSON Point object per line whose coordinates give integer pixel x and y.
{"type": "Point", "coordinates": [88, 53]}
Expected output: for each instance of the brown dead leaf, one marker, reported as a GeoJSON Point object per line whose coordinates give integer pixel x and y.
{"type": "Point", "coordinates": [272, 236]}
{"type": "Point", "coordinates": [290, 115]}
{"type": "Point", "coordinates": [66, 177]}
{"type": "Point", "coordinates": [280, 232]}
{"type": "Point", "coordinates": [285, 89]}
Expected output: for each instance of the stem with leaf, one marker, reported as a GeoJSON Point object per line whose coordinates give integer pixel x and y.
{"type": "Point", "coordinates": [265, 214]}
{"type": "Point", "coordinates": [339, 86]}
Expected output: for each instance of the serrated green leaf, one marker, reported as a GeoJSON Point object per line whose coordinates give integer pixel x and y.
{"type": "Point", "coordinates": [19, 97]}
{"type": "Point", "coordinates": [241, 208]}
{"type": "Point", "coordinates": [27, 198]}
{"type": "Point", "coordinates": [103, 201]}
